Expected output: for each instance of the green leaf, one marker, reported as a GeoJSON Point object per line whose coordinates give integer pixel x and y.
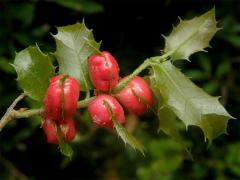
{"type": "Point", "coordinates": [34, 69]}
{"type": "Point", "coordinates": [210, 87]}
{"type": "Point", "coordinates": [166, 156]}
{"type": "Point", "coordinates": [5, 66]}
{"type": "Point", "coordinates": [24, 12]}
{"type": "Point", "coordinates": [190, 103]}
{"type": "Point", "coordinates": [223, 69]}
{"type": "Point", "coordinates": [231, 30]}
{"type": "Point", "coordinates": [90, 7]}
{"type": "Point", "coordinates": [205, 63]}
{"type": "Point", "coordinates": [168, 121]}
{"type": "Point", "coordinates": [124, 134]}
{"type": "Point", "coordinates": [196, 74]}
{"type": "Point", "coordinates": [23, 38]}
{"type": "Point", "coordinates": [191, 36]}
{"type": "Point", "coordinates": [65, 148]}
{"type": "Point", "coordinates": [127, 137]}
{"type": "Point", "coordinates": [232, 158]}
{"type": "Point", "coordinates": [85, 6]}
{"type": "Point", "coordinates": [75, 43]}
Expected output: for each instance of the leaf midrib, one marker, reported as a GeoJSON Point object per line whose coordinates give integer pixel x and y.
{"type": "Point", "coordinates": [78, 57]}
{"type": "Point", "coordinates": [76, 52]}
{"type": "Point", "coordinates": [186, 41]}
{"type": "Point", "coordinates": [176, 86]}
{"type": "Point", "coordinates": [190, 37]}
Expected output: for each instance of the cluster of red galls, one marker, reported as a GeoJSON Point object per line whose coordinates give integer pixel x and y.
{"type": "Point", "coordinates": [63, 93]}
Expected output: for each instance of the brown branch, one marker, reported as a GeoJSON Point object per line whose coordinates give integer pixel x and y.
{"type": "Point", "coordinates": [13, 114]}
{"type": "Point", "coordinates": [9, 115]}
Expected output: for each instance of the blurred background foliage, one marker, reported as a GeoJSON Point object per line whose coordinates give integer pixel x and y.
{"type": "Point", "coordinates": [131, 30]}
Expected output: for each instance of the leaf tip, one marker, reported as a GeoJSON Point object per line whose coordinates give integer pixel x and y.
{"type": "Point", "coordinates": [13, 65]}
{"type": "Point", "coordinates": [209, 143]}
{"type": "Point", "coordinates": [53, 35]}
{"type": "Point", "coordinates": [204, 50]}
{"type": "Point", "coordinates": [213, 9]}
{"type": "Point", "coordinates": [187, 58]}
{"type": "Point", "coordinates": [143, 153]}
{"type": "Point", "coordinates": [180, 19]}
{"type": "Point", "coordinates": [164, 37]}
{"type": "Point", "coordinates": [39, 50]}
{"type": "Point", "coordinates": [83, 21]}
{"type": "Point", "coordinates": [211, 12]}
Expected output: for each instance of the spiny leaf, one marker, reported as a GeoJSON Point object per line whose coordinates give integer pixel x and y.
{"type": "Point", "coordinates": [190, 103]}
{"type": "Point", "coordinates": [127, 137]}
{"type": "Point", "coordinates": [168, 122]}
{"type": "Point", "coordinates": [124, 134]}
{"type": "Point", "coordinates": [34, 69]}
{"type": "Point", "coordinates": [191, 36]}
{"type": "Point", "coordinates": [75, 43]}
{"type": "Point", "coordinates": [65, 148]}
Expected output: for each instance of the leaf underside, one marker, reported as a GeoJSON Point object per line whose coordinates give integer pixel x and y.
{"type": "Point", "coordinates": [34, 69]}
{"type": "Point", "coordinates": [191, 36]}
{"type": "Point", "coordinates": [188, 102]}
{"type": "Point", "coordinates": [75, 43]}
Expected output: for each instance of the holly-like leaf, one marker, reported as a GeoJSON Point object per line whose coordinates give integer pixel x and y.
{"type": "Point", "coordinates": [65, 148]}
{"type": "Point", "coordinates": [124, 134]}
{"type": "Point", "coordinates": [191, 36]}
{"type": "Point", "coordinates": [75, 43]}
{"type": "Point", "coordinates": [127, 137]}
{"type": "Point", "coordinates": [190, 103]}
{"type": "Point", "coordinates": [34, 69]}
{"type": "Point", "coordinates": [168, 121]}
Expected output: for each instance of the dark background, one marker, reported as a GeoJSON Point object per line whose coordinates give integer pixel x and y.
{"type": "Point", "coordinates": [132, 31]}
